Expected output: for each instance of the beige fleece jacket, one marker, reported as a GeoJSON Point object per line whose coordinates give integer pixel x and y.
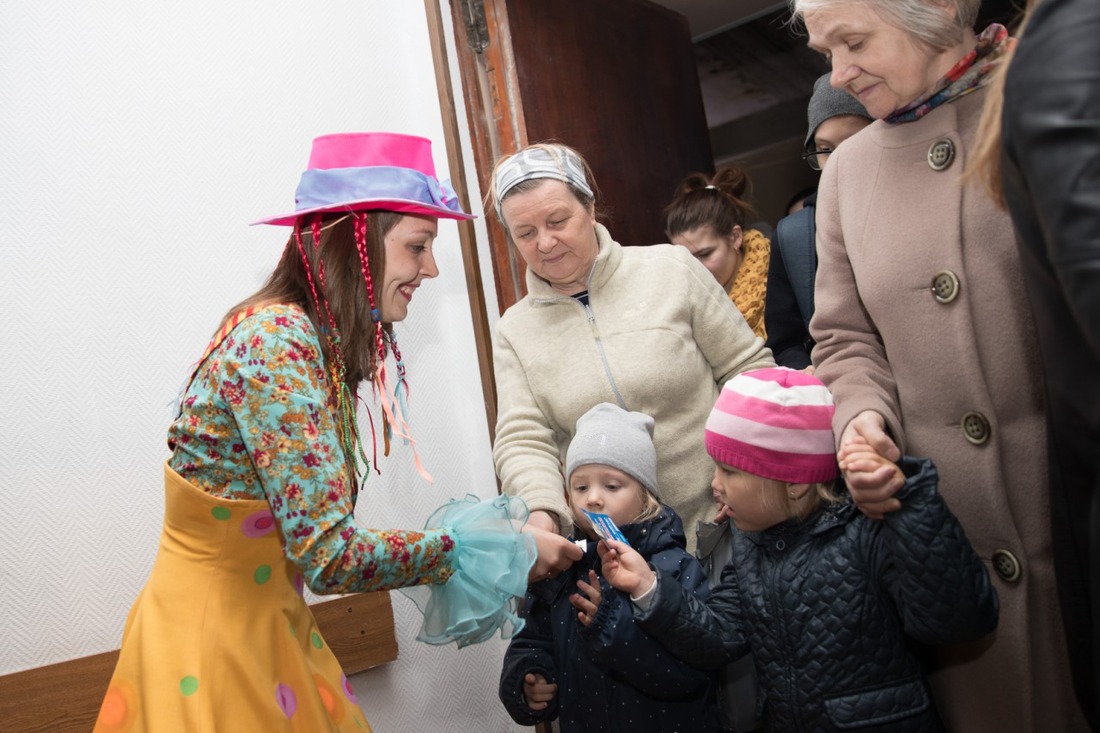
{"type": "Point", "coordinates": [660, 337]}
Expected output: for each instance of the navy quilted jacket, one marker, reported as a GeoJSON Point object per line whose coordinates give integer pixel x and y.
{"type": "Point", "coordinates": [611, 676]}
{"type": "Point", "coordinates": [830, 606]}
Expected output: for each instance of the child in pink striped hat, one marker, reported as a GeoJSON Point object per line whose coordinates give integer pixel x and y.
{"type": "Point", "coordinates": [827, 600]}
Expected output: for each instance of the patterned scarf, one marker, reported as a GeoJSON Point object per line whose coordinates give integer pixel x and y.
{"type": "Point", "coordinates": [965, 77]}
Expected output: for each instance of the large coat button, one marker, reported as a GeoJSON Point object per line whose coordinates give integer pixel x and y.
{"type": "Point", "coordinates": [945, 286]}
{"type": "Point", "coordinates": [976, 427]}
{"type": "Point", "coordinates": [941, 155]}
{"type": "Point", "coordinates": [1006, 566]}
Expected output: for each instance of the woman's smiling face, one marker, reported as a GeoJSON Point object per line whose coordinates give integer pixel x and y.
{"type": "Point", "coordinates": [409, 261]}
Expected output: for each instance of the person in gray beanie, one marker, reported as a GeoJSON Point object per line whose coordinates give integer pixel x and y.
{"type": "Point", "coordinates": [580, 658]}
{"type": "Point", "coordinates": [833, 115]}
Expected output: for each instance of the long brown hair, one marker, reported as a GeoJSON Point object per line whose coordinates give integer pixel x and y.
{"type": "Point", "coordinates": [343, 288]}
{"type": "Point", "coordinates": [718, 202]}
{"type": "Point", "coordinates": [985, 163]}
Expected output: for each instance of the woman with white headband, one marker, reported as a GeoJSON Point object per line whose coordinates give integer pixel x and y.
{"type": "Point", "coordinates": [646, 328]}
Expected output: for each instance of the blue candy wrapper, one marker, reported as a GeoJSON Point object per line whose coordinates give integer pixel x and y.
{"type": "Point", "coordinates": [605, 526]}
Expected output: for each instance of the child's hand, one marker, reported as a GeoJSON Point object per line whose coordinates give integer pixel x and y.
{"type": "Point", "coordinates": [724, 512]}
{"type": "Point", "coordinates": [587, 607]}
{"type": "Point", "coordinates": [537, 692]}
{"type": "Point", "coordinates": [872, 479]}
{"type": "Point", "coordinates": [870, 427]}
{"type": "Point", "coordinates": [624, 568]}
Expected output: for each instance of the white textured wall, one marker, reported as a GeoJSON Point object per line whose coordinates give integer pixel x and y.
{"type": "Point", "coordinates": [137, 140]}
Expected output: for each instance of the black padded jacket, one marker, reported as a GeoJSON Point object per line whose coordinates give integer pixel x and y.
{"type": "Point", "coordinates": [830, 607]}
{"type": "Point", "coordinates": [611, 675]}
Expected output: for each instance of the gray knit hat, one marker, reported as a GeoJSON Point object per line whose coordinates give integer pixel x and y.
{"type": "Point", "coordinates": [610, 435]}
{"type": "Point", "coordinates": [826, 103]}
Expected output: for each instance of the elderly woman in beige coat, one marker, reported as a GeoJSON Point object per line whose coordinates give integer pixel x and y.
{"type": "Point", "coordinates": [646, 328]}
{"type": "Point", "coordinates": [925, 337]}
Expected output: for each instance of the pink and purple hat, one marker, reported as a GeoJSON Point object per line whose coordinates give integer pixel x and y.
{"type": "Point", "coordinates": [353, 171]}
{"type": "Point", "coordinates": [775, 423]}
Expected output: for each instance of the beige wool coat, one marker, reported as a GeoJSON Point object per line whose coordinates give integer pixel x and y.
{"type": "Point", "coordinates": [659, 336]}
{"type": "Point", "coordinates": [922, 317]}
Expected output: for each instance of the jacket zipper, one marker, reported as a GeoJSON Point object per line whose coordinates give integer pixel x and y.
{"type": "Point", "coordinates": [783, 632]}
{"type": "Point", "coordinates": [603, 356]}
{"type": "Point", "coordinates": [595, 330]}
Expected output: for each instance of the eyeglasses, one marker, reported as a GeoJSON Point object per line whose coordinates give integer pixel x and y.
{"type": "Point", "coordinates": [816, 158]}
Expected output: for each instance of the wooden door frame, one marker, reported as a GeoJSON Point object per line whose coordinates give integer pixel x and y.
{"type": "Point", "coordinates": [494, 113]}
{"type": "Point", "coordinates": [475, 286]}
{"type": "Point", "coordinates": [494, 116]}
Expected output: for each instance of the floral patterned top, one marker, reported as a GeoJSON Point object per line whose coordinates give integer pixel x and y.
{"type": "Point", "coordinates": [258, 421]}
{"type": "Point", "coordinates": [751, 283]}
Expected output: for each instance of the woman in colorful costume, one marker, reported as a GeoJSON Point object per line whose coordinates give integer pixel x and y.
{"type": "Point", "coordinates": [265, 467]}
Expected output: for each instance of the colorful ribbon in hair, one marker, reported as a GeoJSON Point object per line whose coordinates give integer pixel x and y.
{"type": "Point", "coordinates": [392, 400]}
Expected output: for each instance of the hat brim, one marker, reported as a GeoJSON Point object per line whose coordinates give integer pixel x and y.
{"type": "Point", "coordinates": [401, 206]}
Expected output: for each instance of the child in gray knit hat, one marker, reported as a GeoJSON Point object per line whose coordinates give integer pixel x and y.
{"type": "Point", "coordinates": [580, 658]}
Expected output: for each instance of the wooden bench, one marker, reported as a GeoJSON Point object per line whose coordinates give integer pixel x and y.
{"type": "Point", "coordinates": [65, 697]}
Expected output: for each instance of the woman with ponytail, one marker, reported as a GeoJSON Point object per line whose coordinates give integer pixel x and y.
{"type": "Point", "coordinates": [267, 457]}
{"type": "Point", "coordinates": [709, 216]}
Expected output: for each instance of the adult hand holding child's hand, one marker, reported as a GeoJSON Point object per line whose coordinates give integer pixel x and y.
{"type": "Point", "coordinates": [872, 478]}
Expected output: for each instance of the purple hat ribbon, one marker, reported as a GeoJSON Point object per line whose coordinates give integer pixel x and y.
{"type": "Point", "coordinates": [333, 187]}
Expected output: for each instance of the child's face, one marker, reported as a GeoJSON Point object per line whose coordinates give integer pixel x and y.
{"type": "Point", "coordinates": [605, 490]}
{"type": "Point", "coordinates": [744, 493]}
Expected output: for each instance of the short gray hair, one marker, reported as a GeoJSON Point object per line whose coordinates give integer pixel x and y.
{"type": "Point", "coordinates": [926, 20]}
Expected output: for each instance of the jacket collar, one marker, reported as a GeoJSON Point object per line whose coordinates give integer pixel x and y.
{"type": "Point", "coordinates": [708, 535]}
{"type": "Point", "coordinates": [607, 261]}
{"type": "Point", "coordinates": [824, 519]}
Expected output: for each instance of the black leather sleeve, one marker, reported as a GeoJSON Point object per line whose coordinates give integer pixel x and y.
{"type": "Point", "coordinates": [1052, 136]}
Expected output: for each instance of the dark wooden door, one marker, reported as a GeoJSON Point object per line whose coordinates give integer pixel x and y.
{"type": "Point", "coordinates": [615, 79]}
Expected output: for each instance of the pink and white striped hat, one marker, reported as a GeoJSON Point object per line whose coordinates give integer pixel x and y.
{"type": "Point", "coordinates": [775, 423]}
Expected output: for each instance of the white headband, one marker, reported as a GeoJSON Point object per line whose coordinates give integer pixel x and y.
{"type": "Point", "coordinates": [552, 161]}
